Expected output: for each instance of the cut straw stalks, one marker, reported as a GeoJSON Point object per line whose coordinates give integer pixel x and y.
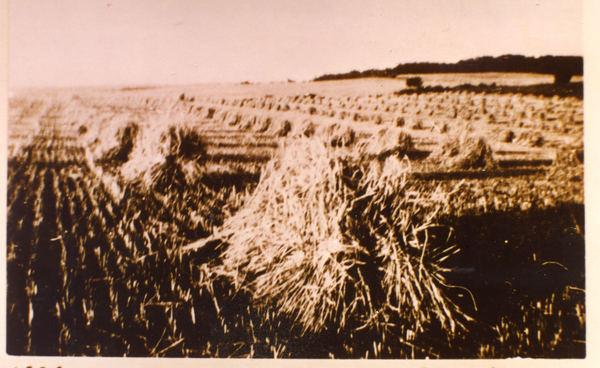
{"type": "Point", "coordinates": [329, 244]}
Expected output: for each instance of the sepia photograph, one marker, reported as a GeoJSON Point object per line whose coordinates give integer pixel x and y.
{"type": "Point", "coordinates": [295, 179]}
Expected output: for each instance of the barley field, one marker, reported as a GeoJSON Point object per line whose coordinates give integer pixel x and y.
{"type": "Point", "coordinates": [342, 219]}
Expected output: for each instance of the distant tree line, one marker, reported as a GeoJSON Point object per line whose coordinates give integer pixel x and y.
{"type": "Point", "coordinates": [562, 67]}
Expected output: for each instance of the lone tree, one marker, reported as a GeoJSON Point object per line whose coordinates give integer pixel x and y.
{"type": "Point", "coordinates": [416, 82]}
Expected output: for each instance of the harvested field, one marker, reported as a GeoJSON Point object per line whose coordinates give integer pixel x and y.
{"type": "Point", "coordinates": [345, 219]}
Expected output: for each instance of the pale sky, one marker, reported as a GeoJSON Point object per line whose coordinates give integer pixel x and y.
{"type": "Point", "coordinates": [62, 43]}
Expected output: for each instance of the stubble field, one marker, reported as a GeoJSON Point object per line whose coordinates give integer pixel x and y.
{"type": "Point", "coordinates": [344, 219]}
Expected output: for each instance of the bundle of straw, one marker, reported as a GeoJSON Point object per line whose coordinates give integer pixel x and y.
{"type": "Point", "coordinates": [464, 153]}
{"type": "Point", "coordinates": [329, 243]}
